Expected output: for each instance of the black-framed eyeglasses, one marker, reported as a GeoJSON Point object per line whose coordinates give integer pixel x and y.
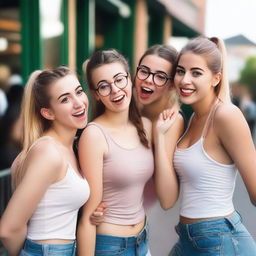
{"type": "Point", "coordinates": [105, 88]}
{"type": "Point", "coordinates": [159, 79]}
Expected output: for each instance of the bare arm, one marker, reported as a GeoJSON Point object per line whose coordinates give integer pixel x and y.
{"type": "Point", "coordinates": [235, 136]}
{"type": "Point", "coordinates": [92, 146]}
{"type": "Point", "coordinates": [166, 135]}
{"type": "Point", "coordinates": [41, 165]}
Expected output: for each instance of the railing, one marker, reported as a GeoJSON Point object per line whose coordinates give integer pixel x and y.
{"type": "Point", "coordinates": [5, 189]}
{"type": "Point", "coordinates": [5, 194]}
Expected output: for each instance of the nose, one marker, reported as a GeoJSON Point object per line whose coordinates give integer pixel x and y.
{"type": "Point", "coordinates": [78, 102]}
{"type": "Point", "coordinates": [149, 79]}
{"type": "Point", "coordinates": [114, 88]}
{"type": "Point", "coordinates": [186, 78]}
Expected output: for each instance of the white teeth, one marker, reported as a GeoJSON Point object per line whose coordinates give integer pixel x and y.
{"type": "Point", "coordinates": [118, 98]}
{"type": "Point", "coordinates": [187, 90]}
{"type": "Point", "coordinates": [78, 113]}
{"type": "Point", "coordinates": [147, 89]}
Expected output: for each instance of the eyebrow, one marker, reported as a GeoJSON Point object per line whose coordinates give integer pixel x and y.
{"type": "Point", "coordinates": [67, 93]}
{"type": "Point", "coordinates": [194, 68]}
{"type": "Point", "coordinates": [120, 73]}
{"type": "Point", "coordinates": [157, 71]}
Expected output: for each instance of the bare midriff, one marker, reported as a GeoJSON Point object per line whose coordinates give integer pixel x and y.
{"type": "Point", "coordinates": [120, 230]}
{"type": "Point", "coordinates": [185, 220]}
{"type": "Point", "coordinates": [54, 241]}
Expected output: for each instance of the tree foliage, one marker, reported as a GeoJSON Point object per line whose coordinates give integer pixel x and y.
{"type": "Point", "coordinates": [248, 75]}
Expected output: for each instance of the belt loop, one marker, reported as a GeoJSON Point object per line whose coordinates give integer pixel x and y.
{"type": "Point", "coordinates": [234, 219]}
{"type": "Point", "coordinates": [188, 231]}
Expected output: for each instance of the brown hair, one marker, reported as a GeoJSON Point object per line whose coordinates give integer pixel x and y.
{"type": "Point", "coordinates": [170, 54]}
{"type": "Point", "coordinates": [214, 50]}
{"type": "Point", "coordinates": [166, 52]}
{"type": "Point", "coordinates": [103, 57]}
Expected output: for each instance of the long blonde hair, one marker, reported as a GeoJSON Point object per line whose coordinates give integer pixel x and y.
{"type": "Point", "coordinates": [215, 52]}
{"type": "Point", "coordinates": [35, 97]}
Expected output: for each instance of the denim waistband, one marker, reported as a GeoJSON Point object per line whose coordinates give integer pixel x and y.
{"type": "Point", "coordinates": [125, 241]}
{"type": "Point", "coordinates": [230, 222]}
{"type": "Point", "coordinates": [31, 245]}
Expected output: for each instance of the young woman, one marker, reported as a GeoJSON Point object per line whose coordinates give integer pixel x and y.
{"type": "Point", "coordinates": [155, 93]}
{"type": "Point", "coordinates": [153, 82]}
{"type": "Point", "coordinates": [49, 189]}
{"type": "Point", "coordinates": [116, 159]}
{"type": "Point", "coordinates": [217, 143]}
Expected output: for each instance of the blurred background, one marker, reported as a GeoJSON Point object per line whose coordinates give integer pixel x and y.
{"type": "Point", "coordinates": [36, 34]}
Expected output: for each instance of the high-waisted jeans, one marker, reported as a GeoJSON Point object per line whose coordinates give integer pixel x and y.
{"type": "Point", "coordinates": [35, 249]}
{"type": "Point", "coordinates": [214, 237]}
{"type": "Point", "coordinates": [123, 246]}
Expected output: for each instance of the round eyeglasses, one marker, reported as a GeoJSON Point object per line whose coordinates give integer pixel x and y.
{"type": "Point", "coordinates": [159, 79]}
{"type": "Point", "coordinates": [105, 88]}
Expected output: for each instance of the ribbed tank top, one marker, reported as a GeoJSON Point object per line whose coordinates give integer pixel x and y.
{"type": "Point", "coordinates": [207, 186]}
{"type": "Point", "coordinates": [125, 173]}
{"type": "Point", "coordinates": [55, 216]}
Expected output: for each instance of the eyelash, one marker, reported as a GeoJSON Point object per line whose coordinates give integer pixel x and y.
{"type": "Point", "coordinates": [78, 92]}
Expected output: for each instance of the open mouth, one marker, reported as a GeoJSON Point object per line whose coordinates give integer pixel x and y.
{"type": "Point", "coordinates": [146, 90]}
{"type": "Point", "coordinates": [79, 114]}
{"type": "Point", "coordinates": [118, 99]}
{"type": "Point", "coordinates": [186, 91]}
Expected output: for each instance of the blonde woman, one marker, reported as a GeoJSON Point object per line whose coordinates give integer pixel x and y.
{"type": "Point", "coordinates": [41, 216]}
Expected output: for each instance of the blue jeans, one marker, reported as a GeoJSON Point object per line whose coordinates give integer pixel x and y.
{"type": "Point", "coordinates": [215, 237]}
{"type": "Point", "coordinates": [123, 246]}
{"type": "Point", "coordinates": [35, 249]}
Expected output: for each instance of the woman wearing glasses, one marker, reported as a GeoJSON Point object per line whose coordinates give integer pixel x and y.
{"type": "Point", "coordinates": [116, 158]}
{"type": "Point", "coordinates": [153, 82]}
{"type": "Point", "coordinates": [155, 93]}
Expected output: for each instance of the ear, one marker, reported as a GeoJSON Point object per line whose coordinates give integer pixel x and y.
{"type": "Point", "coordinates": [216, 79]}
{"type": "Point", "coordinates": [47, 113]}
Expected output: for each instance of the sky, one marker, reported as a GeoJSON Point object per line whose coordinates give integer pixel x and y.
{"type": "Point", "coordinates": [226, 18]}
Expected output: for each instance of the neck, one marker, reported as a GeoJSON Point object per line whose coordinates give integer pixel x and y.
{"type": "Point", "coordinates": [203, 108]}
{"type": "Point", "coordinates": [116, 120]}
{"type": "Point", "coordinates": [64, 136]}
{"type": "Point", "coordinates": [153, 110]}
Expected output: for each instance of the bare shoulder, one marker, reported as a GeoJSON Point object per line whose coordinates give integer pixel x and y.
{"type": "Point", "coordinates": [92, 132]}
{"type": "Point", "coordinates": [46, 151]}
{"type": "Point", "coordinates": [229, 121]}
{"type": "Point", "coordinates": [93, 135]}
{"type": "Point", "coordinates": [227, 112]}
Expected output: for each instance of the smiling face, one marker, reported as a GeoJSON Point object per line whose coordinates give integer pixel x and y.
{"type": "Point", "coordinates": [147, 91]}
{"type": "Point", "coordinates": [194, 80]}
{"type": "Point", "coordinates": [115, 77]}
{"type": "Point", "coordinates": [68, 103]}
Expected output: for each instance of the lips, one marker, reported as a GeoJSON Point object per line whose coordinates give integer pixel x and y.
{"type": "Point", "coordinates": [145, 92]}
{"type": "Point", "coordinates": [118, 99]}
{"type": "Point", "coordinates": [80, 113]}
{"type": "Point", "coordinates": [186, 92]}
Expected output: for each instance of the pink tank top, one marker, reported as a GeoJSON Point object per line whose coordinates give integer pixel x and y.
{"type": "Point", "coordinates": [125, 173]}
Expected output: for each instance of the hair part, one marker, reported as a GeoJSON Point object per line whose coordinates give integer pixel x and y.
{"type": "Point", "coordinates": [104, 57]}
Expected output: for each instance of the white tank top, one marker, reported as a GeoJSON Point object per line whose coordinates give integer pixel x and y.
{"type": "Point", "coordinates": [207, 186]}
{"type": "Point", "coordinates": [56, 215]}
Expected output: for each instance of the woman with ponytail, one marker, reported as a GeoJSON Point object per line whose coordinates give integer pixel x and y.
{"type": "Point", "coordinates": [215, 145]}
{"type": "Point", "coordinates": [41, 216]}
{"type": "Point", "coordinates": [116, 158]}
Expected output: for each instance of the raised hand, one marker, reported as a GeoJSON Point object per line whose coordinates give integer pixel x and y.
{"type": "Point", "coordinates": [166, 119]}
